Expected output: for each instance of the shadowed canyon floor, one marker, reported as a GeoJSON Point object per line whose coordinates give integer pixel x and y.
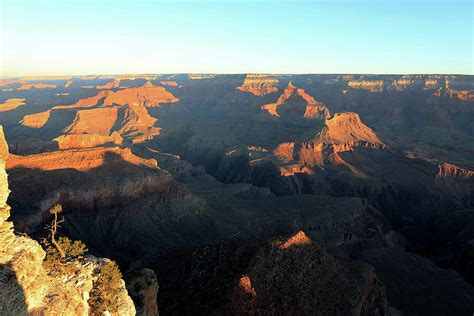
{"type": "Point", "coordinates": [256, 194]}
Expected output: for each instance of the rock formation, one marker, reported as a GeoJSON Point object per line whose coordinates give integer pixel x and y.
{"type": "Point", "coordinates": [68, 84]}
{"type": "Point", "coordinates": [293, 97]}
{"type": "Point", "coordinates": [36, 120]}
{"type": "Point", "coordinates": [372, 86]}
{"type": "Point", "coordinates": [89, 140]}
{"type": "Point", "coordinates": [347, 129]}
{"type": "Point", "coordinates": [170, 83]}
{"type": "Point", "coordinates": [295, 276]}
{"type": "Point", "coordinates": [27, 86]}
{"type": "Point", "coordinates": [431, 84]}
{"type": "Point", "coordinates": [4, 191]}
{"type": "Point", "coordinates": [88, 102]}
{"type": "Point", "coordinates": [28, 287]}
{"type": "Point", "coordinates": [402, 84]}
{"type": "Point", "coordinates": [9, 82]}
{"type": "Point", "coordinates": [200, 76]}
{"type": "Point", "coordinates": [456, 180]}
{"type": "Point", "coordinates": [11, 104]}
{"type": "Point", "coordinates": [259, 85]}
{"type": "Point", "coordinates": [258, 277]}
{"type": "Point", "coordinates": [81, 160]}
{"type": "Point", "coordinates": [110, 85]}
{"type": "Point", "coordinates": [464, 95]}
{"type": "Point", "coordinates": [99, 121]}
{"type": "Point", "coordinates": [123, 111]}
{"type": "Point", "coordinates": [137, 125]}
{"type": "Point", "coordinates": [298, 239]}
{"type": "Point", "coordinates": [344, 132]}
{"type": "Point", "coordinates": [142, 286]}
{"type": "Point", "coordinates": [147, 95]}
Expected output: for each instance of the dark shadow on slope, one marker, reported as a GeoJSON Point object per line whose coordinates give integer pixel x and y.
{"type": "Point", "coordinates": [13, 301]}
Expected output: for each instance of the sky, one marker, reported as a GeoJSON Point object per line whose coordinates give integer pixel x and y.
{"type": "Point", "coordinates": [72, 37]}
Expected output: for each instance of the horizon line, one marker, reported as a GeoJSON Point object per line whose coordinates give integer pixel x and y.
{"type": "Point", "coordinates": [234, 73]}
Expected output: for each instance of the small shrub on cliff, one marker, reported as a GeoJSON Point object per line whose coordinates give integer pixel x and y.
{"type": "Point", "coordinates": [73, 249]}
{"type": "Point", "coordinates": [61, 251]}
{"type": "Point", "coordinates": [103, 295]}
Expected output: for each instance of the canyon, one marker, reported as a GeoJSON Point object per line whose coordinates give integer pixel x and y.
{"type": "Point", "coordinates": [249, 194]}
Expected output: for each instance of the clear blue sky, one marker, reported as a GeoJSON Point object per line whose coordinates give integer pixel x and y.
{"type": "Point", "coordinates": [98, 37]}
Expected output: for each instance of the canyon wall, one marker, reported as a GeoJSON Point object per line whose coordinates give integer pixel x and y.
{"type": "Point", "coordinates": [27, 286]}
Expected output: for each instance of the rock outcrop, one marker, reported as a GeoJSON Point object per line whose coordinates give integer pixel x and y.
{"type": "Point", "coordinates": [463, 95]}
{"type": "Point", "coordinates": [27, 86]}
{"type": "Point", "coordinates": [298, 239]}
{"type": "Point", "coordinates": [347, 129]}
{"type": "Point", "coordinates": [11, 104]}
{"type": "Point", "coordinates": [430, 84]}
{"type": "Point", "coordinates": [123, 111]}
{"type": "Point", "coordinates": [36, 120]}
{"type": "Point", "coordinates": [296, 99]}
{"type": "Point", "coordinates": [87, 102]}
{"type": "Point", "coordinates": [28, 287]}
{"type": "Point", "coordinates": [148, 95]}
{"type": "Point", "coordinates": [68, 84]}
{"type": "Point", "coordinates": [402, 84]}
{"type": "Point", "coordinates": [298, 277]}
{"type": "Point", "coordinates": [81, 160]}
{"type": "Point", "coordinates": [458, 181]}
{"type": "Point", "coordinates": [259, 85]}
{"type": "Point", "coordinates": [138, 125]}
{"type": "Point", "coordinates": [372, 86]}
{"type": "Point", "coordinates": [260, 277]}
{"type": "Point", "coordinates": [344, 132]}
{"type": "Point", "coordinates": [170, 83]}
{"type": "Point", "coordinates": [4, 191]}
{"type": "Point", "coordinates": [98, 120]}
{"type": "Point", "coordinates": [200, 76]}
{"type": "Point", "coordinates": [77, 141]}
{"type": "Point", "coordinates": [110, 85]}
{"type": "Point", "coordinates": [142, 286]}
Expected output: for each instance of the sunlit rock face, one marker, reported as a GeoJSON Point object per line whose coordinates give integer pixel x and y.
{"type": "Point", "coordinates": [170, 83]}
{"type": "Point", "coordinates": [372, 86]}
{"type": "Point", "coordinates": [76, 141]}
{"type": "Point", "coordinates": [299, 239]}
{"type": "Point", "coordinates": [148, 95]}
{"type": "Point", "coordinates": [456, 180]}
{"type": "Point", "coordinates": [402, 84]}
{"type": "Point", "coordinates": [27, 287]}
{"type": "Point", "coordinates": [296, 99]}
{"type": "Point", "coordinates": [4, 191]}
{"type": "Point", "coordinates": [347, 128]}
{"type": "Point", "coordinates": [28, 86]}
{"type": "Point", "coordinates": [110, 85]}
{"type": "Point", "coordinates": [11, 104]}
{"type": "Point", "coordinates": [123, 112]}
{"type": "Point", "coordinates": [138, 125]}
{"type": "Point", "coordinates": [344, 132]}
{"type": "Point", "coordinates": [36, 120]}
{"type": "Point", "coordinates": [81, 160]}
{"type": "Point", "coordinates": [98, 120]}
{"type": "Point", "coordinates": [259, 85]}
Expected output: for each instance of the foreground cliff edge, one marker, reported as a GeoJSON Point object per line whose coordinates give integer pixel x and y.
{"type": "Point", "coordinates": [27, 286]}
